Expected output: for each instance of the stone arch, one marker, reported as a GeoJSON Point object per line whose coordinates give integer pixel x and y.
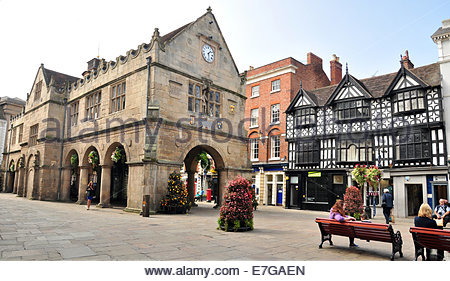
{"type": "Point", "coordinates": [90, 173]}
{"type": "Point", "coordinates": [11, 173]}
{"type": "Point", "coordinates": [84, 160]}
{"type": "Point", "coordinates": [114, 188]}
{"type": "Point", "coordinates": [71, 177]}
{"type": "Point", "coordinates": [32, 169]}
{"type": "Point", "coordinates": [190, 163]}
{"type": "Point", "coordinates": [107, 156]}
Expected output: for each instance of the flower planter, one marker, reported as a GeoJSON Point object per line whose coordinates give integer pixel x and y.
{"type": "Point", "coordinates": [174, 210]}
{"type": "Point", "coordinates": [240, 229]}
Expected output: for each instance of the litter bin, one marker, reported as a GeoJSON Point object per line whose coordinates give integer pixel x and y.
{"type": "Point", "coordinates": [208, 195]}
{"type": "Point", "coordinates": [146, 206]}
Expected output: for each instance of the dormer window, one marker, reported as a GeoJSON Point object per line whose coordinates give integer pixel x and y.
{"type": "Point", "coordinates": [408, 102]}
{"type": "Point", "coordinates": [305, 117]}
{"type": "Point", "coordinates": [353, 109]}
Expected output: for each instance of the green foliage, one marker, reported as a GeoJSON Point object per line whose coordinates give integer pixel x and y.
{"type": "Point", "coordinates": [176, 197]}
{"type": "Point", "coordinates": [93, 158]}
{"type": "Point", "coordinates": [373, 176]}
{"type": "Point", "coordinates": [118, 155]}
{"type": "Point", "coordinates": [359, 174]}
{"type": "Point", "coordinates": [205, 163]}
{"type": "Point", "coordinates": [74, 160]}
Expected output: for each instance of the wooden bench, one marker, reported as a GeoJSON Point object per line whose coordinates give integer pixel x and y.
{"type": "Point", "coordinates": [361, 230]}
{"type": "Point", "coordinates": [429, 238]}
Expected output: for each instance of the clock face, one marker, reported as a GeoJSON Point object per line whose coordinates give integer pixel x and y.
{"type": "Point", "coordinates": [208, 53]}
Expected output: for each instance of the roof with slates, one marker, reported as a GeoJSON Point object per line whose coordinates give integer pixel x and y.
{"type": "Point", "coordinates": [377, 86]}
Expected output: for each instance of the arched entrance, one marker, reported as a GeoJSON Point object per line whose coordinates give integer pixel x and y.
{"type": "Point", "coordinates": [11, 176]}
{"type": "Point", "coordinates": [215, 182]}
{"type": "Point", "coordinates": [72, 175]}
{"type": "Point", "coordinates": [31, 182]}
{"type": "Point", "coordinates": [90, 171]}
{"type": "Point", "coordinates": [116, 159]}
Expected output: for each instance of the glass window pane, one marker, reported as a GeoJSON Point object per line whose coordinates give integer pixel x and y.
{"type": "Point", "coordinates": [191, 89]}
{"type": "Point", "coordinates": [414, 104]}
{"type": "Point", "coordinates": [197, 105]}
{"type": "Point", "coordinates": [407, 105]}
{"type": "Point", "coordinates": [218, 97]}
{"type": "Point", "coordinates": [401, 106]}
{"type": "Point", "coordinates": [421, 103]}
{"type": "Point", "coordinates": [190, 104]}
{"type": "Point", "coordinates": [217, 110]}
{"type": "Point", "coordinates": [197, 91]}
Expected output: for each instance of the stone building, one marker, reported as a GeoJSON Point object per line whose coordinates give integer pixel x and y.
{"type": "Point", "coordinates": [270, 89]}
{"type": "Point", "coordinates": [10, 108]}
{"type": "Point", "coordinates": [127, 124]}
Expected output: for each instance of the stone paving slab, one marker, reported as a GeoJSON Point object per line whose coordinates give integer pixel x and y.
{"type": "Point", "coordinates": [37, 230]}
{"type": "Point", "coordinates": [78, 252]}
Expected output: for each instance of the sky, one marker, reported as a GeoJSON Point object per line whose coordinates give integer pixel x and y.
{"type": "Point", "coordinates": [368, 35]}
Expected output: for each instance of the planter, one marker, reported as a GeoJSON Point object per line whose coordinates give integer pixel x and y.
{"type": "Point", "coordinates": [231, 228]}
{"type": "Point", "coordinates": [173, 210]}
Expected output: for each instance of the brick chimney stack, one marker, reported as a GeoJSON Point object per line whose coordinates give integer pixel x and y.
{"type": "Point", "coordinates": [313, 59]}
{"type": "Point", "coordinates": [335, 70]}
{"type": "Point", "coordinates": [406, 62]}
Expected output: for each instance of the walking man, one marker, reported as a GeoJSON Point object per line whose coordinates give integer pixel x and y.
{"type": "Point", "coordinates": [387, 204]}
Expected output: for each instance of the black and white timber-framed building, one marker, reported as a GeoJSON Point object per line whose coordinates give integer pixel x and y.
{"type": "Point", "coordinates": [394, 121]}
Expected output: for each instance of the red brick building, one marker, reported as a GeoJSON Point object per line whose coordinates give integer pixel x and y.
{"type": "Point", "coordinates": [270, 89]}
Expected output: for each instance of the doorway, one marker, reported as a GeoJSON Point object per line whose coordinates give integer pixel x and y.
{"type": "Point", "coordinates": [440, 191]}
{"type": "Point", "coordinates": [415, 198]}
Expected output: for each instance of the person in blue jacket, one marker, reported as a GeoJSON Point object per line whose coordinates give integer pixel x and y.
{"type": "Point", "coordinates": [387, 204]}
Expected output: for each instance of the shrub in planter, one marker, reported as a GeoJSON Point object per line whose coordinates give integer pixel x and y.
{"type": "Point", "coordinates": [353, 202]}
{"type": "Point", "coordinates": [93, 159]}
{"type": "Point", "coordinates": [236, 214]}
{"type": "Point", "coordinates": [176, 201]}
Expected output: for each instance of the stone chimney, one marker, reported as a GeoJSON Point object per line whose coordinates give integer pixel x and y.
{"type": "Point", "coordinates": [92, 64]}
{"type": "Point", "coordinates": [251, 67]}
{"type": "Point", "coordinates": [406, 62]}
{"type": "Point", "coordinates": [335, 70]}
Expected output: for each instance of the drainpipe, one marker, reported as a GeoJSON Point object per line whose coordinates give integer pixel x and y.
{"type": "Point", "coordinates": [62, 148]}
{"type": "Point", "coordinates": [5, 188]}
{"type": "Point", "coordinates": [147, 140]}
{"type": "Point", "coordinates": [149, 61]}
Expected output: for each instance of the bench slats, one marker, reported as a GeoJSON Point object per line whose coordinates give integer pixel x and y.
{"type": "Point", "coordinates": [429, 238]}
{"type": "Point", "coordinates": [362, 230]}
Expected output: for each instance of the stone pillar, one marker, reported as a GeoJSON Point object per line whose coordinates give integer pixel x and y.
{"type": "Point", "coordinates": [20, 184]}
{"type": "Point", "coordinates": [84, 177]}
{"type": "Point", "coordinates": [105, 189]}
{"type": "Point", "coordinates": [16, 181]}
{"type": "Point", "coordinates": [223, 180]}
{"type": "Point", "coordinates": [65, 183]}
{"type": "Point", "coordinates": [191, 185]}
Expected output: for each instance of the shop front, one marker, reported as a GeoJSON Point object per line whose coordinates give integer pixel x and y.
{"type": "Point", "coordinates": [315, 190]}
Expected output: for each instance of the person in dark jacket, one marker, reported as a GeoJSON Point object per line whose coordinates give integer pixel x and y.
{"type": "Point", "coordinates": [387, 204]}
{"type": "Point", "coordinates": [424, 219]}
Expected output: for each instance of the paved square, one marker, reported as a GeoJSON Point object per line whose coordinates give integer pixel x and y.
{"type": "Point", "coordinates": [38, 230]}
